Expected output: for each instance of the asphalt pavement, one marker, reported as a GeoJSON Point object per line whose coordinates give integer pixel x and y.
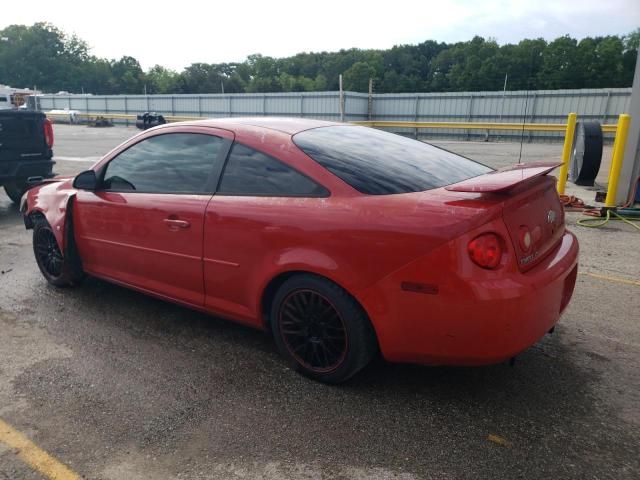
{"type": "Point", "coordinates": [117, 385]}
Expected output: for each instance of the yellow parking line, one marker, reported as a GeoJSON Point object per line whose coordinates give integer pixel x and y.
{"type": "Point", "coordinates": [626, 281]}
{"type": "Point", "coordinates": [33, 456]}
{"type": "Point", "coordinates": [498, 440]}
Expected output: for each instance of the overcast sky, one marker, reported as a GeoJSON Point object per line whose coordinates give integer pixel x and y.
{"type": "Point", "coordinates": [178, 33]}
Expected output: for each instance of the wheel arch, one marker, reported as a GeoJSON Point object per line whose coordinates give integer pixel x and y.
{"type": "Point", "coordinates": [55, 207]}
{"type": "Point", "coordinates": [270, 289]}
{"type": "Point", "coordinates": [272, 286]}
{"type": "Point", "coordinates": [58, 223]}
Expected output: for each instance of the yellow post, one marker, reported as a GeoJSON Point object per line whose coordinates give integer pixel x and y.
{"type": "Point", "coordinates": [616, 161]}
{"type": "Point", "coordinates": [566, 151]}
{"type": "Point", "coordinates": [613, 154]}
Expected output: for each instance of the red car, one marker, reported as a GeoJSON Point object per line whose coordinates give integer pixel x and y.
{"type": "Point", "coordinates": [342, 240]}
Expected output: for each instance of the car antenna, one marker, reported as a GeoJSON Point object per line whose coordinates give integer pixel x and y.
{"type": "Point", "coordinates": [524, 118]}
{"type": "Point", "coordinates": [526, 104]}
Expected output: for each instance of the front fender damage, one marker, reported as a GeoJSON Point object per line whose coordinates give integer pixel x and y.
{"type": "Point", "coordinates": [54, 202]}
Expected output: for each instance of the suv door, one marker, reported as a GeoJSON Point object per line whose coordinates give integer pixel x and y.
{"type": "Point", "coordinates": [144, 225]}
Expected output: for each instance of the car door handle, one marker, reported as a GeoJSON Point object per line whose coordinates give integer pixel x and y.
{"type": "Point", "coordinates": [175, 223]}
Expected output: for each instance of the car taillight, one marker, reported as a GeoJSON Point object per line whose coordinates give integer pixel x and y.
{"type": "Point", "coordinates": [524, 238]}
{"type": "Point", "coordinates": [486, 250]}
{"type": "Point", "coordinates": [48, 132]}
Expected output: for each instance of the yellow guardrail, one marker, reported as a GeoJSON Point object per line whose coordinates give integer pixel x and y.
{"type": "Point", "coordinates": [532, 127]}
{"type": "Point", "coordinates": [540, 127]}
{"type": "Point", "coordinates": [116, 116]}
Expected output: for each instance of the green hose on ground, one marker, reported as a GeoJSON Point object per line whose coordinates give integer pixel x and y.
{"type": "Point", "coordinates": [610, 215]}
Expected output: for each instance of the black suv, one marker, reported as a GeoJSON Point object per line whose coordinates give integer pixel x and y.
{"type": "Point", "coordinates": [26, 139]}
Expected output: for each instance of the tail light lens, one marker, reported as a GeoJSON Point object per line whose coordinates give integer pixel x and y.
{"type": "Point", "coordinates": [486, 250]}
{"type": "Point", "coordinates": [48, 132]}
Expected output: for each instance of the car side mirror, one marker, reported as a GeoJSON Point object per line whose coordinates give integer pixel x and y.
{"type": "Point", "coordinates": [87, 180]}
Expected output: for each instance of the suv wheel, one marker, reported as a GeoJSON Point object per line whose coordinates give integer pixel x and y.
{"type": "Point", "coordinates": [15, 190]}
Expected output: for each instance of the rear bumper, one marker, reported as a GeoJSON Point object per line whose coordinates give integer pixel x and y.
{"type": "Point", "coordinates": [476, 317]}
{"type": "Point", "coordinates": [21, 170]}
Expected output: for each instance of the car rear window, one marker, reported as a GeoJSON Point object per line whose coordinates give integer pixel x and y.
{"type": "Point", "coordinates": [382, 163]}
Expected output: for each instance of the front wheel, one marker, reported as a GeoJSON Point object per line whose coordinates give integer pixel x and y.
{"type": "Point", "coordinates": [15, 190]}
{"type": "Point", "coordinates": [59, 270]}
{"type": "Point", "coordinates": [321, 329]}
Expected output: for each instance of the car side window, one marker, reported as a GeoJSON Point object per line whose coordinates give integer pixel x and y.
{"type": "Point", "coordinates": [169, 163]}
{"type": "Point", "coordinates": [249, 172]}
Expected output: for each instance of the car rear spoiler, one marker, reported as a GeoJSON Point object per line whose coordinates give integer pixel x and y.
{"type": "Point", "coordinates": [504, 179]}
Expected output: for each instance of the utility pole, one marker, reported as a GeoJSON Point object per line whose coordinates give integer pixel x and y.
{"type": "Point", "coordinates": [370, 106]}
{"type": "Point", "coordinates": [341, 99]}
{"type": "Point", "coordinates": [504, 92]}
{"type": "Point", "coordinates": [631, 164]}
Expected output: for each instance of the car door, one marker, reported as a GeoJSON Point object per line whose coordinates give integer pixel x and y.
{"type": "Point", "coordinates": [143, 226]}
{"type": "Point", "coordinates": [250, 220]}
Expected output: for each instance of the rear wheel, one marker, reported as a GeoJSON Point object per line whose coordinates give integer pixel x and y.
{"type": "Point", "coordinates": [321, 329]}
{"type": "Point", "coordinates": [59, 270]}
{"type": "Point", "coordinates": [14, 190]}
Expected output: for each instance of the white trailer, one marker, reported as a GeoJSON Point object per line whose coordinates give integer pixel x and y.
{"type": "Point", "coordinates": [14, 97]}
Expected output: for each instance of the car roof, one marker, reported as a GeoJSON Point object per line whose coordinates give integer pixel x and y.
{"type": "Point", "coordinates": [287, 125]}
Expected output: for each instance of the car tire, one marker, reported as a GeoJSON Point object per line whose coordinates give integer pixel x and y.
{"type": "Point", "coordinates": [320, 329]}
{"type": "Point", "coordinates": [58, 269]}
{"type": "Point", "coordinates": [14, 191]}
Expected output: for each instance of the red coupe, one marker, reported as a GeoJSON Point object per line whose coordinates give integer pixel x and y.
{"type": "Point", "coordinates": [342, 240]}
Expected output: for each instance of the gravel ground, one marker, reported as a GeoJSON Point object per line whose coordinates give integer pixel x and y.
{"type": "Point", "coordinates": [119, 385]}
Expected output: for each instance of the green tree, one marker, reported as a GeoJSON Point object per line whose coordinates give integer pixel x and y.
{"type": "Point", "coordinates": [127, 76]}
{"type": "Point", "coordinates": [320, 83]}
{"type": "Point", "coordinates": [35, 55]}
{"type": "Point", "coordinates": [202, 78]}
{"type": "Point", "coordinates": [162, 80]}
{"type": "Point", "coordinates": [630, 56]}
{"type": "Point", "coordinates": [561, 67]}
{"type": "Point", "coordinates": [357, 77]}
{"type": "Point", "coordinates": [45, 56]}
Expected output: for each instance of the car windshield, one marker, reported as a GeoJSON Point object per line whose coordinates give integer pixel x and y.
{"type": "Point", "coordinates": [381, 163]}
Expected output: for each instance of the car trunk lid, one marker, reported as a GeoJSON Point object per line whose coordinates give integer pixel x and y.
{"type": "Point", "coordinates": [531, 206]}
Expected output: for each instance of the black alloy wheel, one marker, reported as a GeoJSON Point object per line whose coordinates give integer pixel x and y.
{"type": "Point", "coordinates": [313, 330]}
{"type": "Point", "coordinates": [48, 254]}
{"type": "Point", "coordinates": [60, 269]}
{"type": "Point", "coordinates": [321, 329]}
